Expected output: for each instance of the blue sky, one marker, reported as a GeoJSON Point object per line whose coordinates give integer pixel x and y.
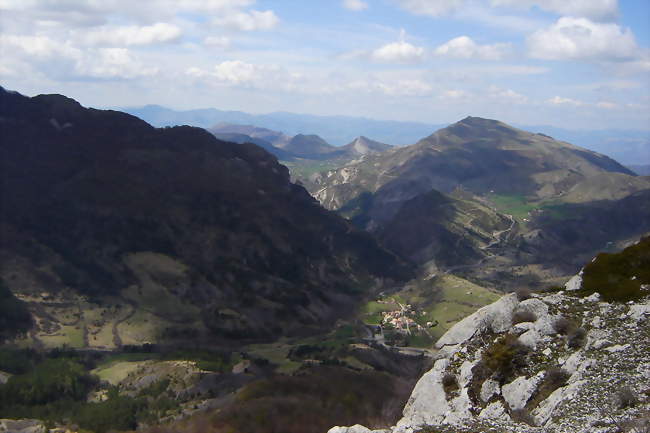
{"type": "Point", "coordinates": [569, 63]}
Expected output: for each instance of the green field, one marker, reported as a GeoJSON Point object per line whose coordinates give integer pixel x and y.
{"type": "Point", "coordinates": [520, 207]}
{"type": "Point", "coordinates": [445, 299]}
{"type": "Point", "coordinates": [516, 205]}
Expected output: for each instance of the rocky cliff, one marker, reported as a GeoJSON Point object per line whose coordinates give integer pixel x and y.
{"type": "Point", "coordinates": [567, 361]}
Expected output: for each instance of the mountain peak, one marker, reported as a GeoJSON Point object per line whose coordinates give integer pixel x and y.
{"type": "Point", "coordinates": [480, 122]}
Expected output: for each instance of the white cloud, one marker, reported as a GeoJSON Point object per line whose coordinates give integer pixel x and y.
{"type": "Point", "coordinates": [607, 105]}
{"type": "Point", "coordinates": [37, 47]}
{"type": "Point", "coordinates": [434, 8]}
{"type": "Point", "coordinates": [249, 21]}
{"type": "Point", "coordinates": [508, 95]}
{"type": "Point", "coordinates": [392, 87]}
{"type": "Point", "coordinates": [217, 41]}
{"type": "Point", "coordinates": [579, 38]}
{"type": "Point", "coordinates": [463, 47]}
{"type": "Point", "coordinates": [113, 63]}
{"type": "Point", "coordinates": [132, 35]}
{"type": "Point", "coordinates": [355, 5]}
{"type": "Point", "coordinates": [64, 61]}
{"type": "Point", "coordinates": [237, 73]}
{"type": "Point", "coordinates": [454, 94]}
{"type": "Point", "coordinates": [405, 88]}
{"type": "Point", "coordinates": [594, 9]}
{"type": "Point", "coordinates": [558, 100]}
{"type": "Point", "coordinates": [398, 52]}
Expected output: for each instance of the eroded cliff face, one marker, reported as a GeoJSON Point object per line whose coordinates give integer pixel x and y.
{"type": "Point", "coordinates": [549, 363]}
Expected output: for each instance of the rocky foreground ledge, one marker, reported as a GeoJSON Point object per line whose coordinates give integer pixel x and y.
{"type": "Point", "coordinates": [548, 363]}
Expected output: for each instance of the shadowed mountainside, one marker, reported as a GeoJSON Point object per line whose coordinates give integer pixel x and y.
{"type": "Point", "coordinates": [85, 191]}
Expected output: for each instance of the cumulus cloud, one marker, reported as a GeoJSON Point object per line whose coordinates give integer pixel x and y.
{"type": "Point", "coordinates": [133, 35]}
{"type": "Point", "coordinates": [94, 13]}
{"type": "Point", "coordinates": [558, 100]}
{"type": "Point", "coordinates": [434, 8]}
{"type": "Point", "coordinates": [355, 5]}
{"type": "Point", "coordinates": [64, 61]}
{"type": "Point", "coordinates": [594, 9]}
{"type": "Point", "coordinates": [463, 47]}
{"type": "Point", "coordinates": [398, 52]}
{"type": "Point", "coordinates": [113, 63]}
{"type": "Point", "coordinates": [249, 21]}
{"type": "Point", "coordinates": [579, 38]}
{"type": "Point", "coordinates": [37, 47]}
{"type": "Point", "coordinates": [508, 95]}
{"type": "Point", "coordinates": [237, 73]}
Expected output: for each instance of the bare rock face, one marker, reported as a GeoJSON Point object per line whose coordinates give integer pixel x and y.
{"type": "Point", "coordinates": [22, 426]}
{"type": "Point", "coordinates": [552, 382]}
{"type": "Point", "coordinates": [355, 429]}
{"type": "Point", "coordinates": [496, 317]}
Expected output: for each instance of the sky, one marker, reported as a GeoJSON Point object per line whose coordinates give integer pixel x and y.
{"type": "Point", "coordinates": [580, 64]}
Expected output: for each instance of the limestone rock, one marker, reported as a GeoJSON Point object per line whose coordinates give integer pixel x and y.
{"type": "Point", "coordinates": [355, 429]}
{"type": "Point", "coordinates": [519, 391]}
{"type": "Point", "coordinates": [489, 388]}
{"type": "Point", "coordinates": [428, 403]}
{"type": "Point", "coordinates": [496, 317]}
{"type": "Point", "coordinates": [22, 426]}
{"type": "Point", "coordinates": [575, 282]}
{"type": "Point", "coordinates": [494, 411]}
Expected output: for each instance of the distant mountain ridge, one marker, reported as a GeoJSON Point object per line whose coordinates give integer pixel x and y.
{"type": "Point", "coordinates": [480, 154]}
{"type": "Point", "coordinates": [300, 146]}
{"type": "Point", "coordinates": [626, 146]}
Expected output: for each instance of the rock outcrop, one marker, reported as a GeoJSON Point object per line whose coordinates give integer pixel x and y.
{"type": "Point", "coordinates": [571, 364]}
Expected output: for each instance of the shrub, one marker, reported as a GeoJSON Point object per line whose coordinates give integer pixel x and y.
{"type": "Point", "coordinates": [523, 316]}
{"type": "Point", "coordinates": [563, 326]}
{"type": "Point", "coordinates": [625, 398]}
{"type": "Point", "coordinates": [523, 416]}
{"type": "Point", "coordinates": [576, 338]}
{"type": "Point", "coordinates": [523, 293]}
{"type": "Point", "coordinates": [505, 356]}
{"type": "Point", "coordinates": [618, 277]}
{"type": "Point", "coordinates": [556, 377]}
{"type": "Point", "coordinates": [449, 383]}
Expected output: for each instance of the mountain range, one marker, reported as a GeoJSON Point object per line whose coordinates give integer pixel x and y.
{"type": "Point", "coordinates": [625, 146]}
{"type": "Point", "coordinates": [484, 192]}
{"type": "Point", "coordinates": [301, 146]}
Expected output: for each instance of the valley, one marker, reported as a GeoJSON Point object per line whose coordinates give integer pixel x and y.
{"type": "Point", "coordinates": [187, 280]}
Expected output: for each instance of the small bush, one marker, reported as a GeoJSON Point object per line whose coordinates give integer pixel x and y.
{"type": "Point", "coordinates": [563, 326]}
{"type": "Point", "coordinates": [505, 356]}
{"type": "Point", "coordinates": [523, 416]}
{"type": "Point", "coordinates": [523, 316]}
{"type": "Point", "coordinates": [626, 398]}
{"type": "Point", "coordinates": [556, 377]}
{"type": "Point", "coordinates": [523, 293]}
{"type": "Point", "coordinates": [449, 383]}
{"type": "Point", "coordinates": [576, 338]}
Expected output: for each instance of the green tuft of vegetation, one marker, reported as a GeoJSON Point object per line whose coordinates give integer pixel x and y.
{"type": "Point", "coordinates": [505, 357]}
{"type": "Point", "coordinates": [618, 277]}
